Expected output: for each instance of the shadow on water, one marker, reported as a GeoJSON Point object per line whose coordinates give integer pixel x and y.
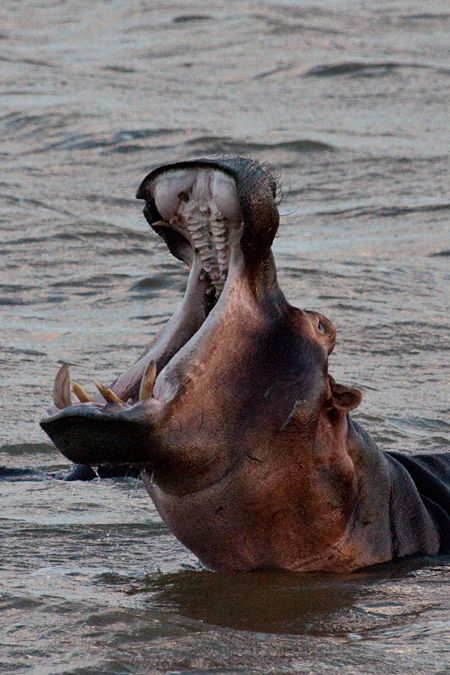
{"type": "Point", "coordinates": [288, 603]}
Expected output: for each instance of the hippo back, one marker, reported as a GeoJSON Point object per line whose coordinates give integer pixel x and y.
{"type": "Point", "coordinates": [431, 476]}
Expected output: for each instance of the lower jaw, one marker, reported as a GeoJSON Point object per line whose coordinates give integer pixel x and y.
{"type": "Point", "coordinates": [117, 432]}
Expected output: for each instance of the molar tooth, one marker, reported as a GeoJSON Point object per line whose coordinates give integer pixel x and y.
{"type": "Point", "coordinates": [148, 381]}
{"type": "Point", "coordinates": [61, 388]}
{"type": "Point", "coordinates": [81, 395]}
{"type": "Point", "coordinates": [195, 228]}
{"type": "Point", "coordinates": [107, 393]}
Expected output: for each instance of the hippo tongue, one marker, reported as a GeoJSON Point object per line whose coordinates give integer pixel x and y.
{"type": "Point", "coordinates": [198, 215]}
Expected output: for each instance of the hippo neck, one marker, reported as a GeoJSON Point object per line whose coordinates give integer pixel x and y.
{"type": "Point", "coordinates": [239, 391]}
{"type": "Point", "coordinates": [280, 512]}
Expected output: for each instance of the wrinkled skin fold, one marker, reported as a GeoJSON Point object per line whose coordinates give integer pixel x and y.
{"type": "Point", "coordinates": [242, 437]}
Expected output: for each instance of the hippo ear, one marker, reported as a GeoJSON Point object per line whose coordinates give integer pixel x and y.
{"type": "Point", "coordinates": [343, 398]}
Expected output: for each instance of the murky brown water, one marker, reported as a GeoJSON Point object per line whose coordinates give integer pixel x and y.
{"type": "Point", "coordinates": [350, 102]}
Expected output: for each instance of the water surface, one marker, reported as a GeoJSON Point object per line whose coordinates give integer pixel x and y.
{"type": "Point", "coordinates": [349, 102]}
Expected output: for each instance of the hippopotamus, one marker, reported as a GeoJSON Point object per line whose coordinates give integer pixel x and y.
{"type": "Point", "coordinates": [243, 438]}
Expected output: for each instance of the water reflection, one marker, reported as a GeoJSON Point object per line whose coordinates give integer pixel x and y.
{"type": "Point", "coordinates": [293, 603]}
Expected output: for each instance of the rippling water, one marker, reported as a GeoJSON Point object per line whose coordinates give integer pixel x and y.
{"type": "Point", "coordinates": [349, 101]}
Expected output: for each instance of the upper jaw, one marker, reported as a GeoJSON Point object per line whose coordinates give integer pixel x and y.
{"type": "Point", "coordinates": [198, 214]}
{"type": "Point", "coordinates": [242, 190]}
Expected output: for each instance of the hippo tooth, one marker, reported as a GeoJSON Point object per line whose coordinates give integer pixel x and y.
{"type": "Point", "coordinates": [81, 395]}
{"type": "Point", "coordinates": [107, 393]}
{"type": "Point", "coordinates": [166, 192]}
{"type": "Point", "coordinates": [61, 388]}
{"type": "Point", "coordinates": [203, 206]}
{"type": "Point", "coordinates": [148, 381]}
{"type": "Point", "coordinates": [161, 223]}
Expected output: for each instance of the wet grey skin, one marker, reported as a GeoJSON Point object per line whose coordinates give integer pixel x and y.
{"type": "Point", "coordinates": [242, 437]}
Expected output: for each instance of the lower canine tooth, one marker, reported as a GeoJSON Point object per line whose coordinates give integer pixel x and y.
{"type": "Point", "coordinates": [107, 393]}
{"type": "Point", "coordinates": [148, 381]}
{"type": "Point", "coordinates": [81, 395]}
{"type": "Point", "coordinates": [61, 388]}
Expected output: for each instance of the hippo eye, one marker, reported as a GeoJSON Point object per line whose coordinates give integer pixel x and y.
{"type": "Point", "coordinates": [322, 328]}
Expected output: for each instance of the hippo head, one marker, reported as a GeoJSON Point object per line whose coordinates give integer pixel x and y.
{"type": "Point", "coordinates": [238, 429]}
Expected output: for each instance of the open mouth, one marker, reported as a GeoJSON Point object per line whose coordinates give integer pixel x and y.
{"type": "Point", "coordinates": [196, 209]}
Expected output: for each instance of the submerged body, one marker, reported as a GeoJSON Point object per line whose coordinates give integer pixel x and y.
{"type": "Point", "coordinates": [242, 437]}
